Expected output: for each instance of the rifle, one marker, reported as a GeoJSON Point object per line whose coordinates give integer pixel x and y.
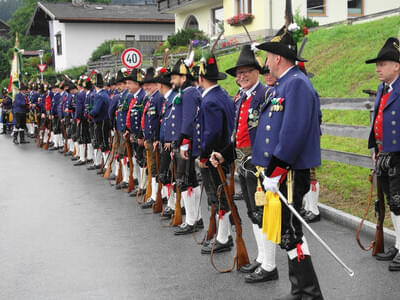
{"type": "Point", "coordinates": [119, 177]}
{"type": "Point", "coordinates": [46, 147]}
{"type": "Point", "coordinates": [108, 171]}
{"type": "Point", "coordinates": [380, 210]}
{"type": "Point", "coordinates": [157, 206]}
{"type": "Point", "coordinates": [65, 136]}
{"type": "Point", "coordinates": [232, 179]}
{"type": "Point", "coordinates": [131, 185]}
{"type": "Point", "coordinates": [39, 141]}
{"type": "Point", "coordinates": [149, 175]}
{"type": "Point", "coordinates": [241, 257]}
{"type": "Point", "coordinates": [177, 218]}
{"type": "Point", "coordinates": [212, 226]}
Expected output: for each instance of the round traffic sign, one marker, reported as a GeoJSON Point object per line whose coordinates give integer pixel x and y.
{"type": "Point", "coordinates": [131, 58]}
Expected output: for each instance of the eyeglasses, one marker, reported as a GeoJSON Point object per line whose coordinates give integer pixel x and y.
{"type": "Point", "coordinates": [244, 72]}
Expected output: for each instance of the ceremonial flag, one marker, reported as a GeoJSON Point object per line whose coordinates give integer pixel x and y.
{"type": "Point", "coordinates": [16, 69]}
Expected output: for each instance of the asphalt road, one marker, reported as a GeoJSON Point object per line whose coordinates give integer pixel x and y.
{"type": "Point", "coordinates": [65, 233]}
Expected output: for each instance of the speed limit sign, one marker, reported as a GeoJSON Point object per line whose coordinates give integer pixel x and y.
{"type": "Point", "coordinates": [131, 58]}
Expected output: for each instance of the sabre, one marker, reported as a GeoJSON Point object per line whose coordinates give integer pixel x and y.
{"type": "Point", "coordinates": [325, 245]}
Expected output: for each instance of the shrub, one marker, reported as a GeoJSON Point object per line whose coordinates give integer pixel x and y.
{"type": "Point", "coordinates": [182, 37]}
{"type": "Point", "coordinates": [117, 49]}
{"type": "Point", "coordinates": [103, 49]}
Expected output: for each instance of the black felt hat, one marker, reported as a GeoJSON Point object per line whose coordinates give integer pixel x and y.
{"type": "Point", "coordinates": [87, 84]}
{"type": "Point", "coordinates": [150, 76]}
{"type": "Point", "coordinates": [163, 76]}
{"type": "Point", "coordinates": [99, 81]}
{"type": "Point", "coordinates": [135, 75]}
{"type": "Point", "coordinates": [390, 51]}
{"type": "Point", "coordinates": [246, 58]}
{"type": "Point", "coordinates": [120, 77]}
{"type": "Point", "coordinates": [22, 87]}
{"type": "Point", "coordinates": [283, 45]}
{"type": "Point", "coordinates": [180, 68]}
{"type": "Point", "coordinates": [195, 73]}
{"type": "Point", "coordinates": [209, 69]}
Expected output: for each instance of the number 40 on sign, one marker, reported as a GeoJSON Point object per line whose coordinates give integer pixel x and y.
{"type": "Point", "coordinates": [131, 58]}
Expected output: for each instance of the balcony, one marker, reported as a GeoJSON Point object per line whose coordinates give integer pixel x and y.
{"type": "Point", "coordinates": [177, 6]}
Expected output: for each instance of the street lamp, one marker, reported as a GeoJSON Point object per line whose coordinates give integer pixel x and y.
{"type": "Point", "coordinates": [41, 52]}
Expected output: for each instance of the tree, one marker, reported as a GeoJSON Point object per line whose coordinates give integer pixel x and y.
{"type": "Point", "coordinates": [5, 45]}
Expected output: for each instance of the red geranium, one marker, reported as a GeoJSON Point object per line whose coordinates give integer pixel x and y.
{"type": "Point", "coordinates": [305, 30]}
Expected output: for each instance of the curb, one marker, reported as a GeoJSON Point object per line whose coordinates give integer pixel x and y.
{"type": "Point", "coordinates": [352, 222]}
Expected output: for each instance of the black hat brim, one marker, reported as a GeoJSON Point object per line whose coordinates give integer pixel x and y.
{"type": "Point", "coordinates": [280, 49]}
{"type": "Point", "coordinates": [220, 76]}
{"type": "Point", "coordinates": [232, 71]}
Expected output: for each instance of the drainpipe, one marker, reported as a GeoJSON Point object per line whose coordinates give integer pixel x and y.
{"type": "Point", "coordinates": [270, 17]}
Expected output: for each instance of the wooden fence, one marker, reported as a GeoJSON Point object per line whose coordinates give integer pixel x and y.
{"type": "Point", "coordinates": [361, 132]}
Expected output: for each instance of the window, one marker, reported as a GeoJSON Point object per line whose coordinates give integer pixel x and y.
{"type": "Point", "coordinates": [316, 7]}
{"type": "Point", "coordinates": [243, 6]}
{"type": "Point", "coordinates": [150, 38]}
{"type": "Point", "coordinates": [355, 7]}
{"type": "Point", "coordinates": [58, 44]}
{"type": "Point", "coordinates": [192, 23]}
{"type": "Point", "coordinates": [130, 37]}
{"type": "Point", "coordinates": [217, 20]}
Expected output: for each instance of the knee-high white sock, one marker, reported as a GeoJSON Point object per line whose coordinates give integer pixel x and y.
{"type": "Point", "coordinates": [125, 177]}
{"type": "Point", "coordinates": [154, 188]}
{"type": "Point", "coordinates": [197, 208]}
{"type": "Point", "coordinates": [99, 157]}
{"type": "Point", "coordinates": [396, 225]}
{"type": "Point", "coordinates": [164, 192]}
{"type": "Point", "coordinates": [143, 178]}
{"type": "Point", "coordinates": [70, 145]}
{"type": "Point", "coordinates": [82, 152]}
{"type": "Point", "coordinates": [313, 199]}
{"type": "Point", "coordinates": [223, 228]}
{"type": "Point", "coordinates": [269, 248]}
{"type": "Point", "coordinates": [136, 169]}
{"type": "Point", "coordinates": [257, 231]}
{"type": "Point", "coordinates": [171, 199]}
{"type": "Point", "coordinates": [52, 135]}
{"type": "Point", "coordinates": [90, 151]}
{"type": "Point", "coordinates": [116, 167]}
{"type": "Point", "coordinates": [304, 247]}
{"type": "Point", "coordinates": [95, 157]}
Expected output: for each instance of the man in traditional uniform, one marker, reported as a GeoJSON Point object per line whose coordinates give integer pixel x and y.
{"type": "Point", "coordinates": [20, 109]}
{"type": "Point", "coordinates": [151, 129]}
{"type": "Point", "coordinates": [120, 110]}
{"type": "Point", "coordinates": [33, 111]}
{"type": "Point", "coordinates": [385, 138]}
{"type": "Point", "coordinates": [55, 116]}
{"type": "Point", "coordinates": [288, 141]}
{"type": "Point", "coordinates": [6, 106]}
{"type": "Point", "coordinates": [188, 102]}
{"type": "Point", "coordinates": [99, 115]}
{"type": "Point", "coordinates": [81, 122]}
{"type": "Point", "coordinates": [45, 110]}
{"type": "Point", "coordinates": [251, 96]}
{"type": "Point", "coordinates": [134, 129]}
{"type": "Point", "coordinates": [213, 130]}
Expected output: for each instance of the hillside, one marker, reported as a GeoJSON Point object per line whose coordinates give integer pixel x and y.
{"type": "Point", "coordinates": [337, 57]}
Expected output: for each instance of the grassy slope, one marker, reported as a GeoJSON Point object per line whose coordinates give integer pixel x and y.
{"type": "Point", "coordinates": [337, 58]}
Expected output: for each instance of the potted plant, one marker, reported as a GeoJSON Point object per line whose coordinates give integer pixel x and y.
{"type": "Point", "coordinates": [239, 19]}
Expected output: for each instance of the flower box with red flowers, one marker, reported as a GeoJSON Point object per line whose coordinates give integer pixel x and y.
{"type": "Point", "coordinates": [239, 19]}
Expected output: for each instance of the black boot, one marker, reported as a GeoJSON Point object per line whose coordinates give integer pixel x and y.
{"type": "Point", "coordinates": [15, 140]}
{"type": "Point", "coordinates": [22, 138]}
{"type": "Point", "coordinates": [304, 280]}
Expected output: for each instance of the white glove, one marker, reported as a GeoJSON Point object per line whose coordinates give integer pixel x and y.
{"type": "Point", "coordinates": [271, 183]}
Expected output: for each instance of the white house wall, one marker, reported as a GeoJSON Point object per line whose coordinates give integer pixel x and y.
{"type": "Point", "coordinates": [79, 40]}
{"type": "Point", "coordinates": [374, 6]}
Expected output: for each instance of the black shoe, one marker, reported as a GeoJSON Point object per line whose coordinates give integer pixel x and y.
{"type": "Point", "coordinates": [112, 177]}
{"type": "Point", "coordinates": [15, 140]}
{"type": "Point", "coordinates": [395, 264]}
{"type": "Point", "coordinates": [184, 229]}
{"type": "Point", "coordinates": [311, 218]}
{"type": "Point", "coordinates": [303, 212]}
{"type": "Point", "coordinates": [101, 172]}
{"type": "Point", "coordinates": [218, 248]}
{"type": "Point", "coordinates": [61, 150]}
{"type": "Point", "coordinates": [74, 158]}
{"type": "Point", "coordinates": [261, 275]}
{"type": "Point", "coordinates": [165, 200]}
{"type": "Point", "coordinates": [79, 163]}
{"type": "Point", "coordinates": [69, 153]}
{"type": "Point", "coordinates": [90, 161]}
{"type": "Point", "coordinates": [238, 196]}
{"type": "Point", "coordinates": [54, 148]}
{"type": "Point", "coordinates": [167, 213]}
{"type": "Point", "coordinates": [250, 268]}
{"type": "Point", "coordinates": [22, 138]}
{"type": "Point", "coordinates": [135, 182]}
{"type": "Point", "coordinates": [148, 204]}
{"type": "Point", "coordinates": [199, 224]}
{"type": "Point", "coordinates": [183, 211]}
{"type": "Point", "coordinates": [93, 167]}
{"type": "Point", "coordinates": [51, 144]}
{"type": "Point", "coordinates": [389, 255]}
{"type": "Point", "coordinates": [122, 185]}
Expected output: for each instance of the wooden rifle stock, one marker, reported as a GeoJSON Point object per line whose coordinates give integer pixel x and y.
{"type": "Point", "coordinates": [46, 147]}
{"type": "Point", "coordinates": [157, 206]}
{"type": "Point", "coordinates": [149, 175]}
{"type": "Point", "coordinates": [119, 177]}
{"type": "Point", "coordinates": [177, 217]}
{"type": "Point", "coordinates": [131, 185]}
{"type": "Point", "coordinates": [242, 257]}
{"type": "Point", "coordinates": [65, 137]}
{"type": "Point", "coordinates": [107, 173]}
{"type": "Point", "coordinates": [212, 226]}
{"type": "Point", "coordinates": [39, 141]}
{"type": "Point", "coordinates": [232, 180]}
{"type": "Point", "coordinates": [380, 207]}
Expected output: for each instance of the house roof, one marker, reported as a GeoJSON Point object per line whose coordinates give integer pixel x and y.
{"type": "Point", "coordinates": [100, 13]}
{"type": "Point", "coordinates": [3, 25]}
